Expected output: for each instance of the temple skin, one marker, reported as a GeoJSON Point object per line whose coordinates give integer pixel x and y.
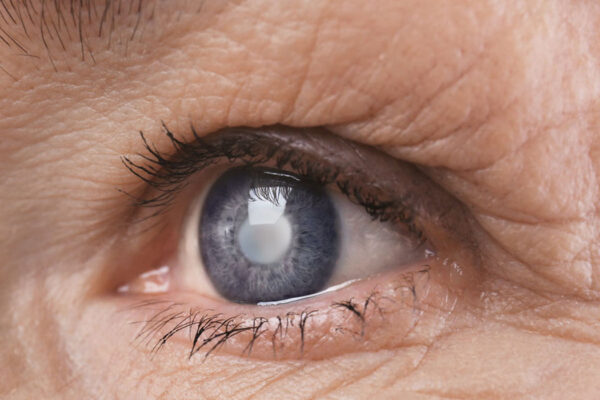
{"type": "Point", "coordinates": [496, 101]}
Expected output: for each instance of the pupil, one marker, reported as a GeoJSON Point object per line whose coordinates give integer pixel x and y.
{"type": "Point", "coordinates": [266, 235]}
{"type": "Point", "coordinates": [265, 243]}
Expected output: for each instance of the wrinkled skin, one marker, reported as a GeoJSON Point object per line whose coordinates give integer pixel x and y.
{"type": "Point", "coordinates": [496, 101]}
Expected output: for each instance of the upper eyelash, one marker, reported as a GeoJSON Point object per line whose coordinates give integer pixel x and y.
{"type": "Point", "coordinates": [168, 175]}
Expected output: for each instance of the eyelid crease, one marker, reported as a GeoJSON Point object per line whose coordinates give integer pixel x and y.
{"type": "Point", "coordinates": [389, 189]}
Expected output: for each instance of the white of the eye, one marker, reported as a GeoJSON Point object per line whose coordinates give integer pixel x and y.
{"type": "Point", "coordinates": [370, 246]}
{"type": "Point", "coordinates": [267, 234]}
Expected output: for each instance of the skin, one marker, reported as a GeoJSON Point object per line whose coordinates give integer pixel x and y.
{"type": "Point", "coordinates": [495, 101]}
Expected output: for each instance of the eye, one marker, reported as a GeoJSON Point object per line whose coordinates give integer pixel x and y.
{"type": "Point", "coordinates": [266, 229]}
{"type": "Point", "coordinates": [267, 235]}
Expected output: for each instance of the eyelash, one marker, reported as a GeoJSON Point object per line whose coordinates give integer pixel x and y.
{"type": "Point", "coordinates": [169, 175]}
{"type": "Point", "coordinates": [212, 330]}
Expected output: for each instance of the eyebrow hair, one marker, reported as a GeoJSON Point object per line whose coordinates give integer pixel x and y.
{"type": "Point", "coordinates": [45, 29]}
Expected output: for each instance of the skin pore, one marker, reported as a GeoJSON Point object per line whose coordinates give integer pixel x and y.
{"type": "Point", "coordinates": [496, 102]}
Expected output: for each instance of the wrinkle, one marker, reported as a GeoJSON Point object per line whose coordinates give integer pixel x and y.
{"type": "Point", "coordinates": [533, 221]}
{"type": "Point", "coordinates": [399, 132]}
{"type": "Point", "coordinates": [532, 270]}
{"type": "Point", "coordinates": [539, 132]}
{"type": "Point", "coordinates": [497, 377]}
{"type": "Point", "coordinates": [551, 253]}
{"type": "Point", "coordinates": [440, 394]}
{"type": "Point", "coordinates": [275, 380]}
{"type": "Point", "coordinates": [586, 339]}
{"type": "Point", "coordinates": [335, 386]}
{"type": "Point", "coordinates": [570, 320]}
{"type": "Point", "coordinates": [424, 139]}
{"type": "Point", "coordinates": [303, 78]}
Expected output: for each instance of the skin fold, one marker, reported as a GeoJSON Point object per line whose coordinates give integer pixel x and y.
{"type": "Point", "coordinates": [497, 102]}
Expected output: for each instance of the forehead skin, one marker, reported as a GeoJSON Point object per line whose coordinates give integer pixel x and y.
{"type": "Point", "coordinates": [495, 100]}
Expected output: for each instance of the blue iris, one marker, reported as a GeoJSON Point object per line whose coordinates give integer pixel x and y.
{"type": "Point", "coordinates": [266, 235]}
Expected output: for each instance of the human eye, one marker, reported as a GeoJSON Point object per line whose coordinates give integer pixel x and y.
{"type": "Point", "coordinates": [284, 242]}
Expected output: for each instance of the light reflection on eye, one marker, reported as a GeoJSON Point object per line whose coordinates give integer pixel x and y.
{"type": "Point", "coordinates": [266, 234]}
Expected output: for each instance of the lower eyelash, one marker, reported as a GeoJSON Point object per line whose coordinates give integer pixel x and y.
{"type": "Point", "coordinates": [209, 331]}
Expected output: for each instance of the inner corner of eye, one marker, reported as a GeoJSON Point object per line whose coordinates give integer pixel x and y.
{"type": "Point", "coordinates": [156, 280]}
{"type": "Point", "coordinates": [265, 235]}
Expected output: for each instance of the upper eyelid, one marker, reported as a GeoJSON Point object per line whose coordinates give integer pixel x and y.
{"type": "Point", "coordinates": [167, 171]}
{"type": "Point", "coordinates": [414, 196]}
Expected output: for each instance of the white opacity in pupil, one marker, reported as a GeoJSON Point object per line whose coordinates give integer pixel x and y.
{"type": "Point", "coordinates": [266, 234]}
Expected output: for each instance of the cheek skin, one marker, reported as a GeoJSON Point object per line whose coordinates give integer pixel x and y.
{"type": "Point", "coordinates": [419, 306]}
{"type": "Point", "coordinates": [480, 332]}
{"type": "Point", "coordinates": [480, 328]}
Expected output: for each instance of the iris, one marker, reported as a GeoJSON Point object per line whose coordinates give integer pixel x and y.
{"type": "Point", "coordinates": [268, 235]}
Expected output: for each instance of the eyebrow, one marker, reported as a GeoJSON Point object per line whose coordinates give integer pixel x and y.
{"type": "Point", "coordinates": [49, 29]}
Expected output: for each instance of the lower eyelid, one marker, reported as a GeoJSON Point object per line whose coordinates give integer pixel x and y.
{"type": "Point", "coordinates": [383, 312]}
